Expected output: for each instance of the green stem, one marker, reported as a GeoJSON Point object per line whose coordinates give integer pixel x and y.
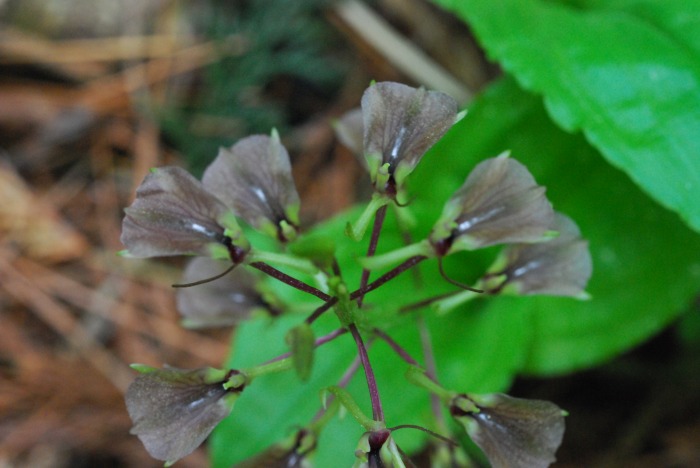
{"type": "Point", "coordinates": [299, 264]}
{"type": "Point", "coordinates": [273, 367]}
{"type": "Point", "coordinates": [395, 256]}
{"type": "Point", "coordinates": [345, 399]}
{"type": "Point", "coordinates": [357, 231]}
{"type": "Point", "coordinates": [447, 304]}
{"type": "Point", "coordinates": [419, 378]}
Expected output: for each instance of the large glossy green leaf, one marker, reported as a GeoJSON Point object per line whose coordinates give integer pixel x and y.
{"type": "Point", "coordinates": [646, 262]}
{"type": "Point", "coordinates": [625, 72]}
{"type": "Point", "coordinates": [646, 270]}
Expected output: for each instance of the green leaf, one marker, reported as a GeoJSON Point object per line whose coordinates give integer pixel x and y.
{"type": "Point", "coordinates": [646, 263]}
{"type": "Point", "coordinates": [626, 73]}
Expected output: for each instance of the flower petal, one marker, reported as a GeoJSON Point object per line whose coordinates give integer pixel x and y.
{"type": "Point", "coordinates": [401, 123]}
{"type": "Point", "coordinates": [223, 302]}
{"type": "Point", "coordinates": [174, 410]}
{"type": "Point", "coordinates": [500, 202]}
{"type": "Point", "coordinates": [172, 215]}
{"type": "Point", "coordinates": [512, 432]}
{"type": "Point", "coordinates": [559, 267]}
{"type": "Point", "coordinates": [254, 178]}
{"type": "Point", "coordinates": [350, 133]}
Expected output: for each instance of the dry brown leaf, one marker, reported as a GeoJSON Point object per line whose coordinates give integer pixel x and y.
{"type": "Point", "coordinates": [33, 224]}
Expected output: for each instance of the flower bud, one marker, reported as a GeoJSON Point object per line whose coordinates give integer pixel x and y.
{"type": "Point", "coordinates": [378, 449]}
{"type": "Point", "coordinates": [174, 410]}
{"type": "Point", "coordinates": [499, 203]}
{"type": "Point", "coordinates": [254, 178]}
{"type": "Point", "coordinates": [400, 125]}
{"type": "Point", "coordinates": [512, 432]}
{"type": "Point", "coordinates": [174, 215]}
{"type": "Point", "coordinates": [561, 266]}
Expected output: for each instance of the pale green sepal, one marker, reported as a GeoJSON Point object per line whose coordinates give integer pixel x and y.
{"type": "Point", "coordinates": [382, 177]}
{"type": "Point", "coordinates": [444, 306]}
{"type": "Point", "coordinates": [292, 213]}
{"type": "Point", "coordinates": [266, 226]}
{"type": "Point", "coordinates": [300, 264]}
{"type": "Point", "coordinates": [403, 169]}
{"type": "Point", "coordinates": [230, 223]}
{"type": "Point", "coordinates": [357, 230]}
{"type": "Point", "coordinates": [142, 368]}
{"type": "Point", "coordinates": [237, 380]}
{"type": "Point", "coordinates": [374, 161]}
{"type": "Point", "coordinates": [218, 251]}
{"type": "Point", "coordinates": [348, 402]}
{"type": "Point", "coordinates": [396, 256]}
{"type": "Point", "coordinates": [288, 231]}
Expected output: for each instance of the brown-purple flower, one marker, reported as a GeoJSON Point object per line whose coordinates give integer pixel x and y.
{"type": "Point", "coordinates": [223, 302]}
{"type": "Point", "coordinates": [499, 203]}
{"type": "Point", "coordinates": [175, 410]}
{"type": "Point", "coordinates": [254, 178]}
{"type": "Point", "coordinates": [559, 267]}
{"type": "Point", "coordinates": [512, 432]}
{"type": "Point", "coordinates": [174, 215]}
{"type": "Point", "coordinates": [400, 124]}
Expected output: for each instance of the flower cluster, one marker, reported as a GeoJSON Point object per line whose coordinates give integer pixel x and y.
{"type": "Point", "coordinates": [500, 203]}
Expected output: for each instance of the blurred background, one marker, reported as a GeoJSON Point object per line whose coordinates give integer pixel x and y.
{"type": "Point", "coordinates": [93, 93]}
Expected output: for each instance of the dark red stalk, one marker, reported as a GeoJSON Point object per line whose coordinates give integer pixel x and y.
{"type": "Point", "coordinates": [377, 412]}
{"type": "Point", "coordinates": [410, 263]}
{"type": "Point", "coordinates": [290, 280]}
{"type": "Point", "coordinates": [372, 248]}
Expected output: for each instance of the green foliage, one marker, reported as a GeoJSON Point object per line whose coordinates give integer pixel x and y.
{"type": "Point", "coordinates": [624, 72]}
{"type": "Point", "coordinates": [646, 270]}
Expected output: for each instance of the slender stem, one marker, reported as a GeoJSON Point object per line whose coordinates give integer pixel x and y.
{"type": "Point", "coordinates": [206, 280]}
{"type": "Point", "coordinates": [318, 342]}
{"type": "Point", "coordinates": [418, 377]}
{"type": "Point", "coordinates": [318, 312]}
{"type": "Point", "coordinates": [425, 302]}
{"type": "Point", "coordinates": [300, 264]}
{"type": "Point", "coordinates": [349, 403]}
{"type": "Point", "coordinates": [446, 304]}
{"type": "Point", "coordinates": [290, 280]}
{"type": "Point", "coordinates": [430, 368]}
{"type": "Point", "coordinates": [396, 347]}
{"type": "Point", "coordinates": [453, 282]}
{"type": "Point", "coordinates": [372, 248]}
{"type": "Point", "coordinates": [427, 431]}
{"type": "Point", "coordinates": [377, 412]}
{"type": "Point", "coordinates": [393, 257]}
{"type": "Point", "coordinates": [411, 262]}
{"type": "Point", "coordinates": [357, 231]}
{"type": "Point", "coordinates": [276, 365]}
